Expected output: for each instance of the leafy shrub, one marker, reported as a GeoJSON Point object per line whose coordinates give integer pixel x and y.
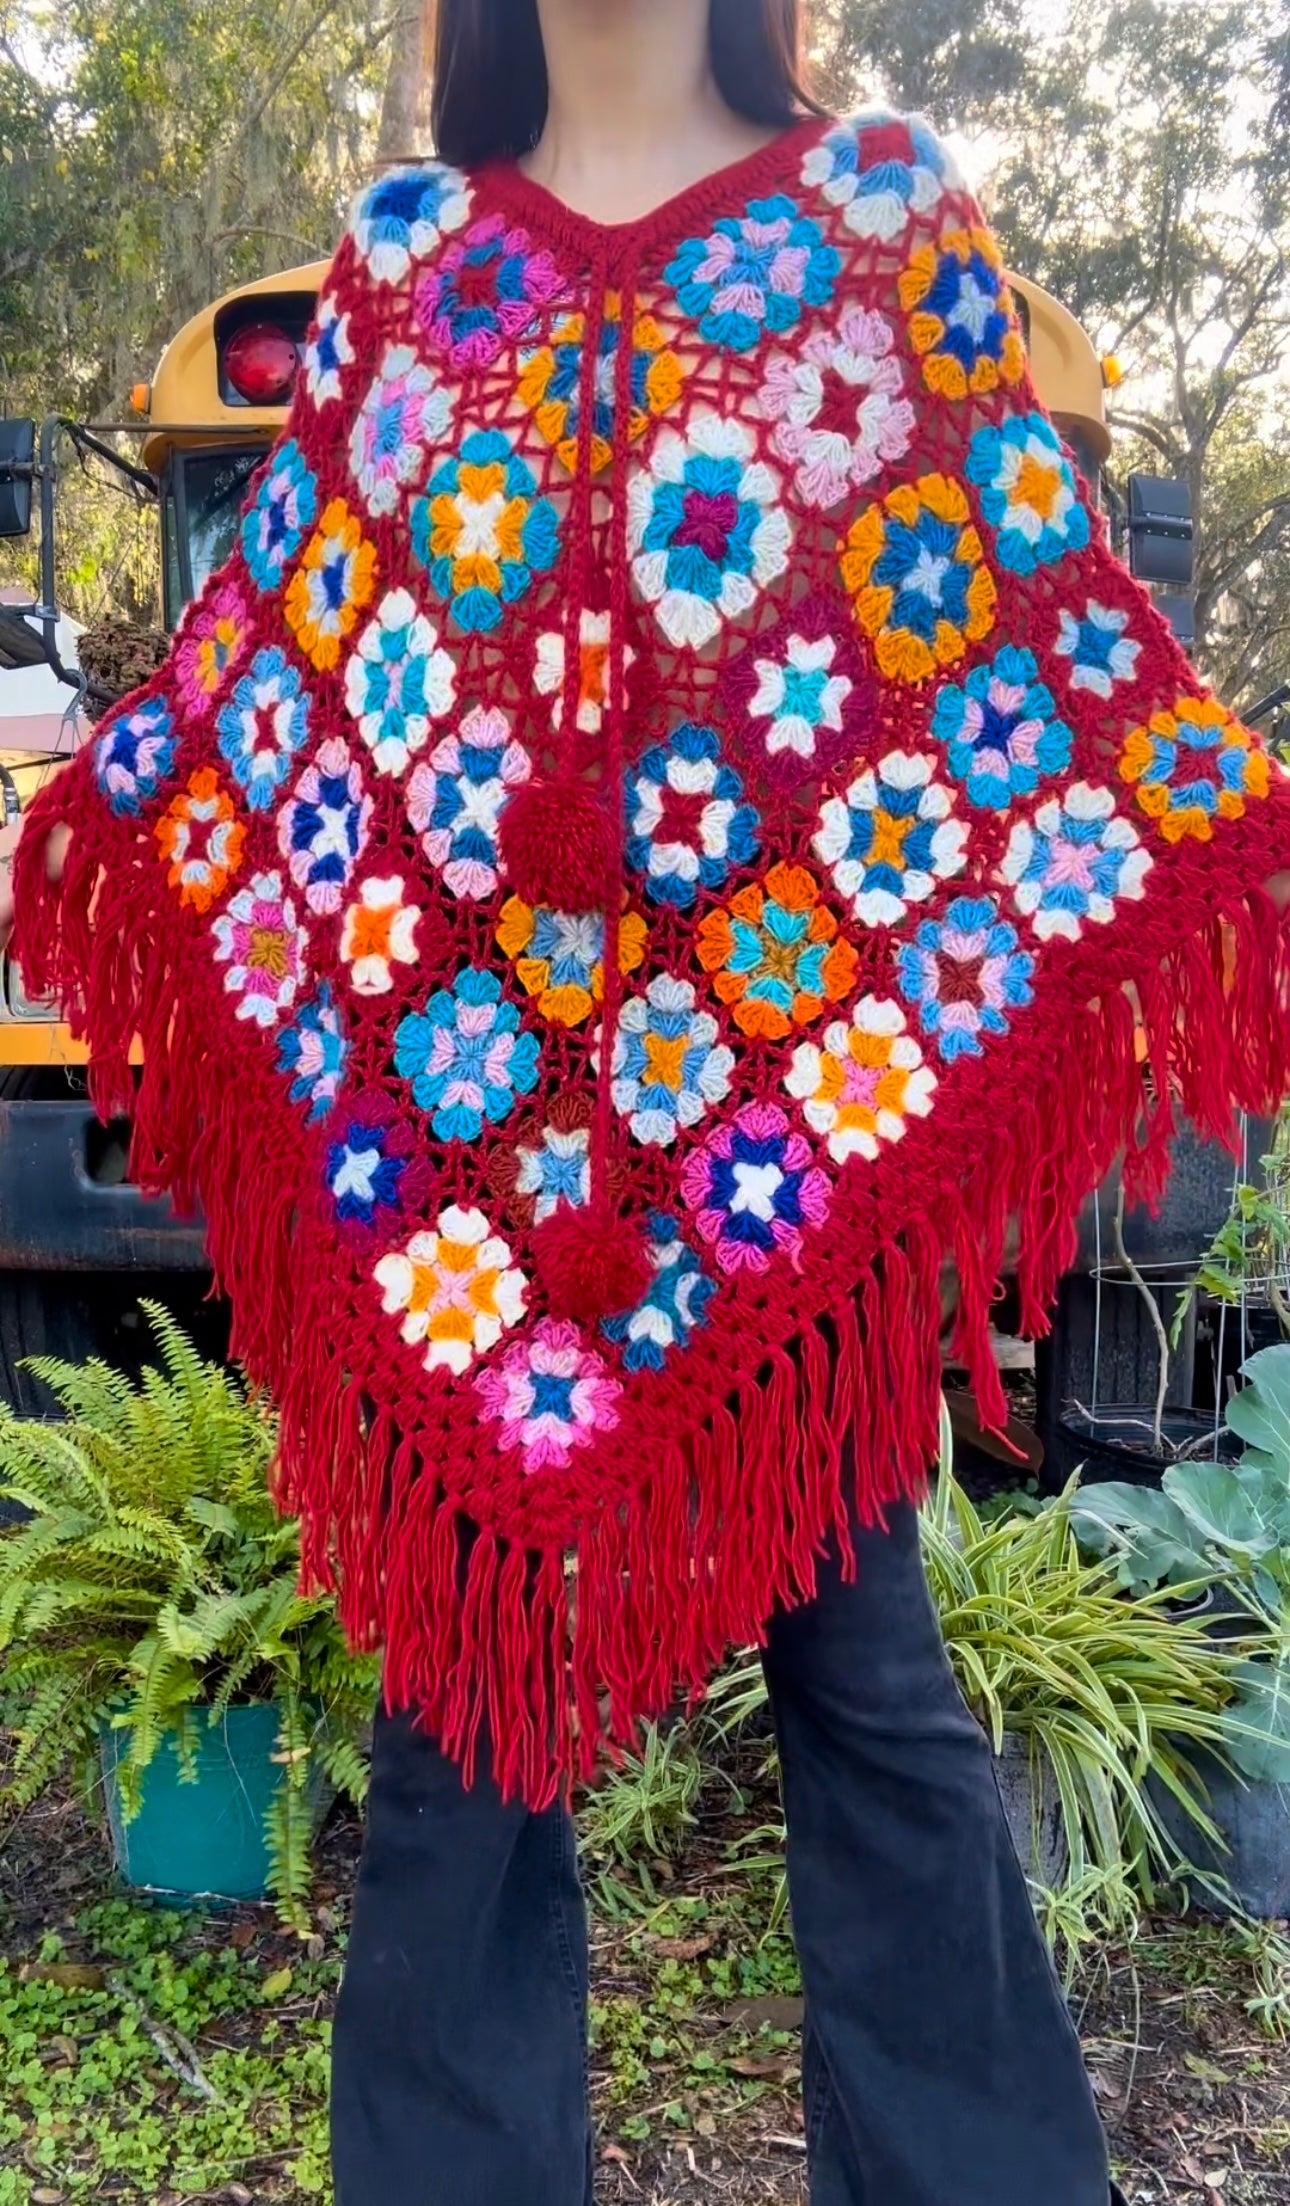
{"type": "Point", "coordinates": [1223, 1525]}
{"type": "Point", "coordinates": [1108, 1692]}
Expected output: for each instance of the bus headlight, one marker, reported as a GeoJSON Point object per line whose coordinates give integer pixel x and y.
{"type": "Point", "coordinates": [15, 1003]}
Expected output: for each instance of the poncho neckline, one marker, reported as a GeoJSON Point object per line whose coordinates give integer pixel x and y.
{"type": "Point", "coordinates": [671, 830]}
{"type": "Point", "coordinates": [748, 176]}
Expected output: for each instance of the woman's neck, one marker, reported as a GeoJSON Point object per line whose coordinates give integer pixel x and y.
{"type": "Point", "coordinates": [634, 114]}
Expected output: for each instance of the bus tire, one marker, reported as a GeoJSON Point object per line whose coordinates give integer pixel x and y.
{"type": "Point", "coordinates": [41, 1313]}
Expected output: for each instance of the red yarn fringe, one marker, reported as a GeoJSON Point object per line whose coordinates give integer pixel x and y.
{"type": "Point", "coordinates": [553, 1659]}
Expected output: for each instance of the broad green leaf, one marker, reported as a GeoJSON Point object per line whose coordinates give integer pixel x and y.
{"type": "Point", "coordinates": [1260, 1413]}
{"type": "Point", "coordinates": [1268, 1493]}
{"type": "Point", "coordinates": [1150, 1538]}
{"type": "Point", "coordinates": [1258, 1722]}
{"type": "Point", "coordinates": [1212, 1497]}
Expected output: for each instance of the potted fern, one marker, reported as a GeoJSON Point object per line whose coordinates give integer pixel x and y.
{"type": "Point", "coordinates": [151, 1627]}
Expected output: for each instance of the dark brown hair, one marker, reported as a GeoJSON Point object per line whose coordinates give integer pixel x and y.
{"type": "Point", "coordinates": [490, 81]}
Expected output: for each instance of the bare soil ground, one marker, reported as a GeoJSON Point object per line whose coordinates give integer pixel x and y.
{"type": "Point", "coordinates": [696, 2044]}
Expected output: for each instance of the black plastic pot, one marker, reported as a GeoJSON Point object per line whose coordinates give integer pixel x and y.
{"type": "Point", "coordinates": [1263, 1328]}
{"type": "Point", "coordinates": [1220, 1614]}
{"type": "Point", "coordinates": [1196, 1200]}
{"type": "Point", "coordinates": [1104, 1345]}
{"type": "Point", "coordinates": [1252, 1876]}
{"type": "Point", "coordinates": [1119, 1442]}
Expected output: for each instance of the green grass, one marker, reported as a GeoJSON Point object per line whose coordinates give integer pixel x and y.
{"type": "Point", "coordinates": [678, 2035]}
{"type": "Point", "coordinates": [1246, 1963]}
{"type": "Point", "coordinates": [90, 2108]}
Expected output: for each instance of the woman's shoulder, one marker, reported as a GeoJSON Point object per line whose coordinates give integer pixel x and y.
{"type": "Point", "coordinates": [404, 214]}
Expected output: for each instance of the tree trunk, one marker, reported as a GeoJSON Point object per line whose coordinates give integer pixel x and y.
{"type": "Point", "coordinates": [404, 133]}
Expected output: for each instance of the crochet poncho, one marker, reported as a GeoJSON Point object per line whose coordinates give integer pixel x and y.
{"type": "Point", "coordinates": [671, 825]}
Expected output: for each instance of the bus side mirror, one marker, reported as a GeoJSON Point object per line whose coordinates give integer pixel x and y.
{"type": "Point", "coordinates": [17, 472]}
{"type": "Point", "coordinates": [1161, 531]}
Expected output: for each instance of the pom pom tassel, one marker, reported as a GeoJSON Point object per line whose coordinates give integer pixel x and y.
{"type": "Point", "coordinates": [591, 1263]}
{"type": "Point", "coordinates": [559, 846]}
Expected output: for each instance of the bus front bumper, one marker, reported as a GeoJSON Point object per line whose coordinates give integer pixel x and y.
{"type": "Point", "coordinates": [66, 1205]}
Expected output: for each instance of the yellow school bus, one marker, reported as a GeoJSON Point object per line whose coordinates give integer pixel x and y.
{"type": "Point", "coordinates": [217, 399]}
{"type": "Point", "coordinates": [220, 392]}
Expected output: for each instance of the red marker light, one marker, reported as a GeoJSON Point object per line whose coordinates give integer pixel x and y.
{"type": "Point", "coordinates": [260, 363]}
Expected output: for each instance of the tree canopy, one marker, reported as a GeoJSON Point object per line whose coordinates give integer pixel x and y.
{"type": "Point", "coordinates": [155, 152]}
{"type": "Point", "coordinates": [1145, 181]}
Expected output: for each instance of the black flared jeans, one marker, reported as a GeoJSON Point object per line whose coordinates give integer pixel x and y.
{"type": "Point", "coordinates": [940, 2063]}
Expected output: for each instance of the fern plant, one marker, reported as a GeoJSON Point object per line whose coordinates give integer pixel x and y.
{"type": "Point", "coordinates": [150, 1585]}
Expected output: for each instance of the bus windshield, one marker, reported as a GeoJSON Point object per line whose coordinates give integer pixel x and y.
{"type": "Point", "coordinates": [203, 502]}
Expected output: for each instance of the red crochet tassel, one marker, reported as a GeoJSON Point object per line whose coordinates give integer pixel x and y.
{"type": "Point", "coordinates": [559, 846]}
{"type": "Point", "coordinates": [592, 1263]}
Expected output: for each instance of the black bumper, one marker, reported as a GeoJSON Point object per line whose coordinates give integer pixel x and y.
{"type": "Point", "coordinates": [65, 1204]}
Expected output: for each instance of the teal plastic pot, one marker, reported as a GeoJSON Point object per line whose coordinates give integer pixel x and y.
{"type": "Point", "coordinates": [202, 1839]}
